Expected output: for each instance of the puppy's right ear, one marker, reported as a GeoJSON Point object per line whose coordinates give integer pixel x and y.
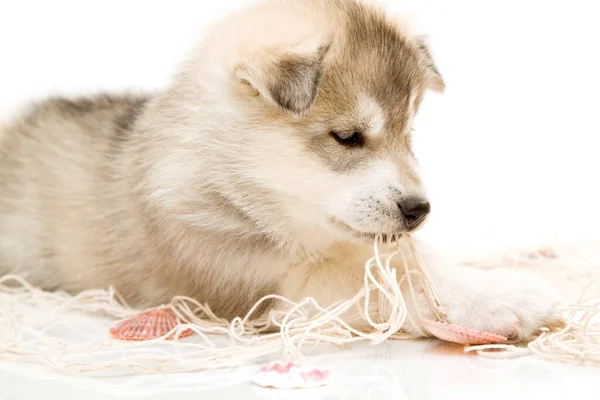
{"type": "Point", "coordinates": [288, 79]}
{"type": "Point", "coordinates": [434, 79]}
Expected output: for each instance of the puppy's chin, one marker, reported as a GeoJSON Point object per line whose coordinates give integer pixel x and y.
{"type": "Point", "coordinates": [362, 236]}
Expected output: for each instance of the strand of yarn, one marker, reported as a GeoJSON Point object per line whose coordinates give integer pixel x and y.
{"type": "Point", "coordinates": [29, 316]}
{"type": "Point", "coordinates": [578, 341]}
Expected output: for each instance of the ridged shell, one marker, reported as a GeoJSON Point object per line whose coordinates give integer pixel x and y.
{"type": "Point", "coordinates": [148, 325]}
{"type": "Point", "coordinates": [461, 335]}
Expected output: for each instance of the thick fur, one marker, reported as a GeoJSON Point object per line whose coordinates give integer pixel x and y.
{"type": "Point", "coordinates": [230, 184]}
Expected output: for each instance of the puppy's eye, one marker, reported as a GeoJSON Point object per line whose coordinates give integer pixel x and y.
{"type": "Point", "coordinates": [351, 138]}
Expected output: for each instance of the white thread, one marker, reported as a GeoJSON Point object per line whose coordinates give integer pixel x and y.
{"type": "Point", "coordinates": [28, 317]}
{"type": "Point", "coordinates": [302, 325]}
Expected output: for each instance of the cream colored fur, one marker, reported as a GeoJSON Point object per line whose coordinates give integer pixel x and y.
{"type": "Point", "coordinates": [230, 185]}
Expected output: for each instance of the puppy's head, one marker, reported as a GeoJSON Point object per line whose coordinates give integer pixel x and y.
{"type": "Point", "coordinates": [315, 103]}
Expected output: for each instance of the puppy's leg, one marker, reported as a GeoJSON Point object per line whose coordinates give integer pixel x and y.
{"type": "Point", "coordinates": [337, 277]}
{"type": "Point", "coordinates": [505, 301]}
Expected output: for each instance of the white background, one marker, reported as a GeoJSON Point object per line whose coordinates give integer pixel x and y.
{"type": "Point", "coordinates": [509, 149]}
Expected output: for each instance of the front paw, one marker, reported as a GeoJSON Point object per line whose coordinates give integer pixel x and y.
{"type": "Point", "coordinates": [511, 303]}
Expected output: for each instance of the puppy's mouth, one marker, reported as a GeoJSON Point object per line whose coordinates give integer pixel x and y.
{"type": "Point", "coordinates": [364, 236]}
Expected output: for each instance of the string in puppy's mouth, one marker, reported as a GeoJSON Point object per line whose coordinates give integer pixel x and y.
{"type": "Point", "coordinates": [368, 237]}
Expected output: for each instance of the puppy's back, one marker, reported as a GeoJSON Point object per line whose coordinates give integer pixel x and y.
{"type": "Point", "coordinates": [55, 162]}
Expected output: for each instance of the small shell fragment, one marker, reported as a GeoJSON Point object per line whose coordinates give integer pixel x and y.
{"type": "Point", "coordinates": [461, 335]}
{"type": "Point", "coordinates": [290, 375]}
{"type": "Point", "coordinates": [148, 325]}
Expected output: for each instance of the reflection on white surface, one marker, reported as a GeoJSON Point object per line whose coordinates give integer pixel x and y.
{"type": "Point", "coordinates": [420, 369]}
{"type": "Point", "coordinates": [511, 149]}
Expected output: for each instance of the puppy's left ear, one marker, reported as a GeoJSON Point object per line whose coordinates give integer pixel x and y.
{"type": "Point", "coordinates": [287, 78]}
{"type": "Point", "coordinates": [434, 79]}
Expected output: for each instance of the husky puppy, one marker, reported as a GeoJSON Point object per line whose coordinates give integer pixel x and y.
{"type": "Point", "coordinates": [282, 147]}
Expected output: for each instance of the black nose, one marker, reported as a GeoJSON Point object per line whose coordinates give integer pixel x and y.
{"type": "Point", "coordinates": [415, 210]}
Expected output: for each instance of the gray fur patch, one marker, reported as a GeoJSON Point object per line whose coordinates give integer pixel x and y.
{"type": "Point", "coordinates": [296, 82]}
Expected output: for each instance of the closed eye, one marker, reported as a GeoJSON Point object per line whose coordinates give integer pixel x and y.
{"type": "Point", "coordinates": [350, 138]}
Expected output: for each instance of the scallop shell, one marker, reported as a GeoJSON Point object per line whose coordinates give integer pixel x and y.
{"type": "Point", "coordinates": [290, 376]}
{"type": "Point", "coordinates": [148, 325]}
{"type": "Point", "coordinates": [461, 335]}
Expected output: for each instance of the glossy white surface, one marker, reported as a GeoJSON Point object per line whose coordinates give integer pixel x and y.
{"type": "Point", "coordinates": [510, 146]}
{"type": "Point", "coordinates": [423, 369]}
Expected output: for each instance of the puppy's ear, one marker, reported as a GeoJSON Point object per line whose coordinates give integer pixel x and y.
{"type": "Point", "coordinates": [434, 79]}
{"type": "Point", "coordinates": [289, 78]}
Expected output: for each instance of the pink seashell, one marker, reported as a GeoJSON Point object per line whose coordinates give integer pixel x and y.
{"type": "Point", "coordinates": [315, 375]}
{"type": "Point", "coordinates": [290, 375]}
{"type": "Point", "coordinates": [461, 335]}
{"type": "Point", "coordinates": [148, 325]}
{"type": "Point", "coordinates": [279, 368]}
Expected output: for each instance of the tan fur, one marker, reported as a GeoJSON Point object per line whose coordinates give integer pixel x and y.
{"type": "Point", "coordinates": [230, 184]}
